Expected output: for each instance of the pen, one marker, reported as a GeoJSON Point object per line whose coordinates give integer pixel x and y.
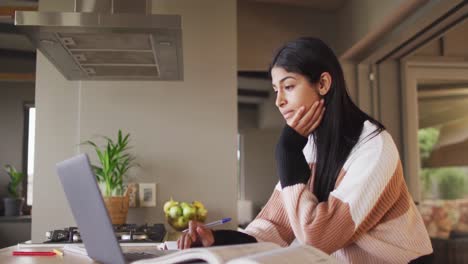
{"type": "Point", "coordinates": [33, 253]}
{"type": "Point", "coordinates": [58, 252]}
{"type": "Point", "coordinates": [215, 223]}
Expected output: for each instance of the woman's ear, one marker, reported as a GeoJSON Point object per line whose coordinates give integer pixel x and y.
{"type": "Point", "coordinates": [324, 83]}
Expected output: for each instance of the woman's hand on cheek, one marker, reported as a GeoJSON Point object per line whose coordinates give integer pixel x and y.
{"type": "Point", "coordinates": [305, 123]}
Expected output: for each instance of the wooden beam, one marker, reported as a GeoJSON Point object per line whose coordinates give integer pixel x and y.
{"type": "Point", "coordinates": [24, 77]}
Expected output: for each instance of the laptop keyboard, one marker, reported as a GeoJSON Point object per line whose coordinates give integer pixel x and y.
{"type": "Point", "coordinates": [133, 256]}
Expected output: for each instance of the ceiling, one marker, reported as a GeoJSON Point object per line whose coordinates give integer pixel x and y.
{"type": "Point", "coordinates": [329, 5]}
{"type": "Point", "coordinates": [437, 109]}
{"type": "Point", "coordinates": [442, 102]}
{"type": "Point", "coordinates": [11, 40]}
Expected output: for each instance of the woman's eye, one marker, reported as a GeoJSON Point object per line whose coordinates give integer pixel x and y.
{"type": "Point", "coordinates": [289, 87]}
{"type": "Point", "coordinates": [275, 91]}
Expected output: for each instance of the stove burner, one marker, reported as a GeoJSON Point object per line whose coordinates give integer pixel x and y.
{"type": "Point", "coordinates": [124, 233]}
{"type": "Point", "coordinates": [69, 235]}
{"type": "Point", "coordinates": [134, 236]}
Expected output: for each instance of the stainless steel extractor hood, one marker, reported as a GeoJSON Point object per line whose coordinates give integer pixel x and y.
{"type": "Point", "coordinates": [108, 40]}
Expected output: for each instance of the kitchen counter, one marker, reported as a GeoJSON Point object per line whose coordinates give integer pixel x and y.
{"type": "Point", "coordinates": [7, 258]}
{"type": "Point", "coordinates": [69, 258]}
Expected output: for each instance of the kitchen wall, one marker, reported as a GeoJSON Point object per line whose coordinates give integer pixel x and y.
{"type": "Point", "coordinates": [357, 18]}
{"type": "Point", "coordinates": [247, 116]}
{"type": "Point", "coordinates": [262, 28]}
{"type": "Point", "coordinates": [258, 163]}
{"type": "Point", "coordinates": [183, 133]}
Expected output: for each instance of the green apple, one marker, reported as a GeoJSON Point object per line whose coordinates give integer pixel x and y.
{"type": "Point", "coordinates": [182, 222]}
{"type": "Point", "coordinates": [189, 212]}
{"type": "Point", "coordinates": [201, 214]}
{"type": "Point", "coordinates": [198, 204]}
{"type": "Point", "coordinates": [168, 205]}
{"type": "Point", "coordinates": [184, 205]}
{"type": "Point", "coordinates": [175, 211]}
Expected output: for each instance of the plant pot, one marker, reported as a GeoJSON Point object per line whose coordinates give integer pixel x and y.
{"type": "Point", "coordinates": [117, 206]}
{"type": "Point", "coordinates": [13, 206]}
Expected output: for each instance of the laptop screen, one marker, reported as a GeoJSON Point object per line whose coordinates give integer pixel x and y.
{"type": "Point", "coordinates": [88, 208]}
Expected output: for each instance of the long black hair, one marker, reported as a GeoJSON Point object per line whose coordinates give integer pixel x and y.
{"type": "Point", "coordinates": [343, 121]}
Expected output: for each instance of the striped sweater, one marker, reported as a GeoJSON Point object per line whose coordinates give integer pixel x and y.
{"type": "Point", "coordinates": [369, 217]}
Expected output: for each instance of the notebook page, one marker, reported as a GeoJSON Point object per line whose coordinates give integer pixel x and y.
{"type": "Point", "coordinates": [230, 252]}
{"type": "Point", "coordinates": [292, 254]}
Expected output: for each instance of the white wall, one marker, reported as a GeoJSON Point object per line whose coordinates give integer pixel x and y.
{"type": "Point", "coordinates": [57, 132]}
{"type": "Point", "coordinates": [184, 133]}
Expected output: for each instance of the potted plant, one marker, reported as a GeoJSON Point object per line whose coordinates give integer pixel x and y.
{"type": "Point", "coordinates": [14, 203]}
{"type": "Point", "coordinates": [114, 162]}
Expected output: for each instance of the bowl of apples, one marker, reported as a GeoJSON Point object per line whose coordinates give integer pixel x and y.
{"type": "Point", "coordinates": [178, 214]}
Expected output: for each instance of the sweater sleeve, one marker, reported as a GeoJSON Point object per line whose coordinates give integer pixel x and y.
{"type": "Point", "coordinates": [368, 186]}
{"type": "Point", "coordinates": [272, 223]}
{"type": "Point", "coordinates": [291, 164]}
{"type": "Point", "coordinates": [231, 237]}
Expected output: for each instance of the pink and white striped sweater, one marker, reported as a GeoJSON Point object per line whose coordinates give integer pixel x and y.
{"type": "Point", "coordinates": [369, 217]}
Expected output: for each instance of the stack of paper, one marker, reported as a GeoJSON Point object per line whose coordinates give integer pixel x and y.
{"type": "Point", "coordinates": [75, 249]}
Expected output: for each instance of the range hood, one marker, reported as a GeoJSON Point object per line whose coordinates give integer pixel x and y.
{"type": "Point", "coordinates": [108, 40]}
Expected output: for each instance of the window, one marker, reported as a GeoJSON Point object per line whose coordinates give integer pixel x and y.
{"type": "Point", "coordinates": [240, 179]}
{"type": "Point", "coordinates": [30, 136]}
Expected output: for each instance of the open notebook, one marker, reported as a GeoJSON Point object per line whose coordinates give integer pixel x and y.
{"type": "Point", "coordinates": [263, 252]}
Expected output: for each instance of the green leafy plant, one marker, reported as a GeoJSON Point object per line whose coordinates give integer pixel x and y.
{"type": "Point", "coordinates": [115, 161]}
{"type": "Point", "coordinates": [449, 182]}
{"type": "Point", "coordinates": [427, 138]}
{"type": "Point", "coordinates": [16, 178]}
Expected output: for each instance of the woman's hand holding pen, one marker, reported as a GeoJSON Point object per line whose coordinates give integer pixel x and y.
{"type": "Point", "coordinates": [305, 121]}
{"type": "Point", "coordinates": [197, 235]}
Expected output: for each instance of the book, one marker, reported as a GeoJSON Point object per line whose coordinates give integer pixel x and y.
{"type": "Point", "coordinates": [75, 249]}
{"type": "Point", "coordinates": [255, 253]}
{"type": "Point", "coordinates": [61, 245]}
{"type": "Point", "coordinates": [168, 245]}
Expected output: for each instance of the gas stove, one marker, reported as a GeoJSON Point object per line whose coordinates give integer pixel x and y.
{"type": "Point", "coordinates": [127, 233]}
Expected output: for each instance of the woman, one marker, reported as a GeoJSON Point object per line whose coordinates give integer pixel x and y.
{"type": "Point", "coordinates": [341, 186]}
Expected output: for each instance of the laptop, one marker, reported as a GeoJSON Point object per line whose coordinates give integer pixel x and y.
{"type": "Point", "coordinates": [90, 213]}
